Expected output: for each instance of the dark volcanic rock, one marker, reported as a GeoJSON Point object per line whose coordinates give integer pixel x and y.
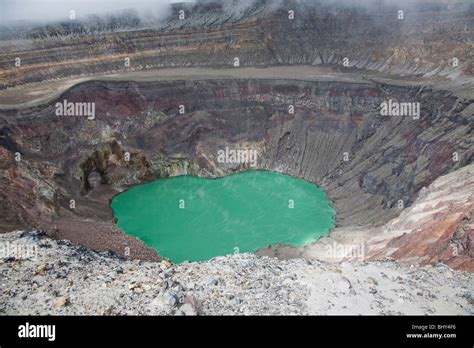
{"type": "Point", "coordinates": [259, 33]}
{"type": "Point", "coordinates": [389, 158]}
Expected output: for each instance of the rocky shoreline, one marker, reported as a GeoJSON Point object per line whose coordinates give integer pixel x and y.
{"type": "Point", "coordinates": [60, 278]}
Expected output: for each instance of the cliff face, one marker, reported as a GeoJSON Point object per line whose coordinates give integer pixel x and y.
{"type": "Point", "coordinates": [437, 227]}
{"type": "Point", "coordinates": [260, 33]}
{"type": "Point", "coordinates": [389, 159]}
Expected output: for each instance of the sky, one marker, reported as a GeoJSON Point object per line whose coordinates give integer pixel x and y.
{"type": "Point", "coordinates": [52, 10]}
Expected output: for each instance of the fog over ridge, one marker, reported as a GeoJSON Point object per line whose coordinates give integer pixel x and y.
{"type": "Point", "coordinates": [44, 11]}
{"type": "Point", "coordinates": [49, 11]}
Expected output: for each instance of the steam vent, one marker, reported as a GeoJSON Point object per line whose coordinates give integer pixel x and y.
{"type": "Point", "coordinates": [246, 157]}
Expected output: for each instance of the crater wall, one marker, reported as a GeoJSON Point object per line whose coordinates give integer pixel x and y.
{"type": "Point", "coordinates": [373, 37]}
{"type": "Point", "coordinates": [336, 138]}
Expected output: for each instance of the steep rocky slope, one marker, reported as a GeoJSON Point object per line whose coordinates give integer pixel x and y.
{"type": "Point", "coordinates": [260, 33]}
{"type": "Point", "coordinates": [437, 227]}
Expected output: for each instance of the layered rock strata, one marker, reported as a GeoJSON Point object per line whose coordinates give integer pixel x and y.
{"type": "Point", "coordinates": [336, 138]}
{"type": "Point", "coordinates": [423, 40]}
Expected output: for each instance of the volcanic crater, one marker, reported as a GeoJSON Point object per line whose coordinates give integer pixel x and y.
{"type": "Point", "coordinates": [184, 99]}
{"type": "Point", "coordinates": [335, 138]}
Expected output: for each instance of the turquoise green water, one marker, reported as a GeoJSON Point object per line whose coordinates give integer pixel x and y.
{"type": "Point", "coordinates": [189, 218]}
